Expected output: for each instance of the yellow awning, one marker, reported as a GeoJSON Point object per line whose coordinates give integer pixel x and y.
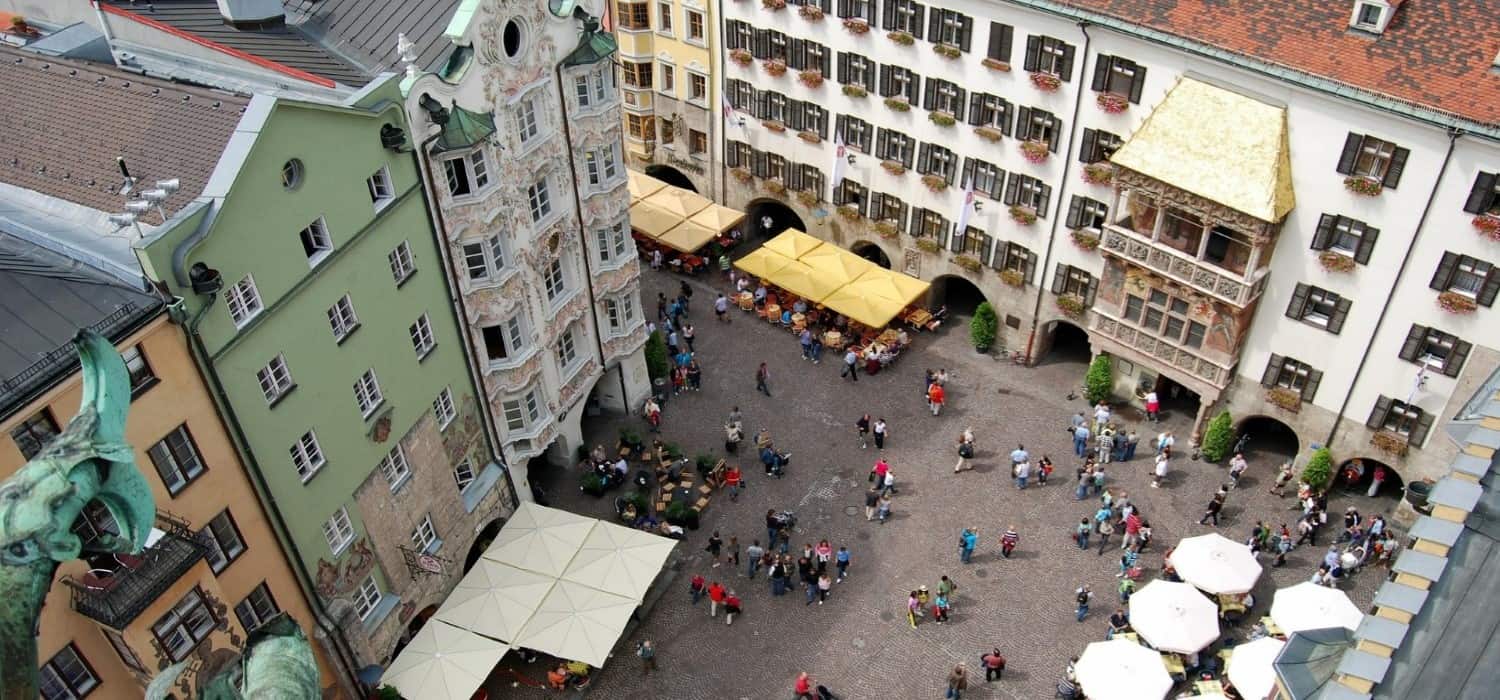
{"type": "Point", "coordinates": [872, 311]}
{"type": "Point", "coordinates": [839, 265]}
{"type": "Point", "coordinates": [886, 284]}
{"type": "Point", "coordinates": [793, 243]}
{"type": "Point", "coordinates": [650, 220]}
{"type": "Point", "coordinates": [687, 237]}
{"type": "Point", "coordinates": [718, 218]}
{"type": "Point", "coordinates": [804, 281]}
{"type": "Point", "coordinates": [762, 263]}
{"type": "Point", "coordinates": [642, 185]}
{"type": "Point", "coordinates": [678, 201]}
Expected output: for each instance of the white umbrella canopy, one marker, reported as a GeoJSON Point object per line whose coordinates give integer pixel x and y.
{"type": "Point", "coordinates": [619, 560]}
{"type": "Point", "coordinates": [495, 599]}
{"type": "Point", "coordinates": [578, 623]}
{"type": "Point", "coordinates": [1250, 667]}
{"type": "Point", "coordinates": [1174, 617]}
{"type": "Point", "coordinates": [1308, 606]}
{"type": "Point", "coordinates": [443, 662]}
{"type": "Point", "coordinates": [1216, 564]}
{"type": "Point", "coordinates": [540, 539]}
{"type": "Point", "coordinates": [1120, 669]}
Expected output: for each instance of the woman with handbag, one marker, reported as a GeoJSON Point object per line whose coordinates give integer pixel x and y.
{"type": "Point", "coordinates": [965, 450]}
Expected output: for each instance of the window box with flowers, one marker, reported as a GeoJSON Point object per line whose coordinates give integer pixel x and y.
{"type": "Point", "coordinates": [1284, 398]}
{"type": "Point", "coordinates": [1363, 186]}
{"type": "Point", "coordinates": [935, 183]}
{"type": "Point", "coordinates": [1336, 262]}
{"type": "Point", "coordinates": [1071, 306]}
{"type": "Point", "coordinates": [774, 67]}
{"type": "Point", "coordinates": [928, 245]}
{"type": "Point", "coordinates": [1013, 278]}
{"type": "Point", "coordinates": [807, 198]}
{"type": "Point", "coordinates": [742, 174]}
{"type": "Point", "coordinates": [810, 137]}
{"type": "Point", "coordinates": [968, 262]}
{"type": "Point", "coordinates": [810, 78]}
{"type": "Point", "coordinates": [897, 104]}
{"type": "Point", "coordinates": [773, 5]}
{"type": "Point", "coordinates": [887, 229]}
{"type": "Point", "coordinates": [855, 91]}
{"type": "Point", "coordinates": [989, 133]}
{"type": "Point", "coordinates": [777, 127]}
{"type": "Point", "coordinates": [1098, 173]}
{"type": "Point", "coordinates": [774, 186]}
{"type": "Point", "coordinates": [811, 13]}
{"type": "Point", "coordinates": [1035, 151]}
{"type": "Point", "coordinates": [1455, 303]}
{"type": "Point", "coordinates": [1391, 443]}
{"type": "Point", "coordinates": [1046, 82]}
{"type": "Point", "coordinates": [1022, 215]}
{"type": "Point", "coordinates": [1110, 103]}
{"type": "Point", "coordinates": [1488, 226]}
{"type": "Point", "coordinates": [902, 38]}
{"type": "Point", "coordinates": [1086, 242]}
{"type": "Point", "coordinates": [742, 57]}
{"type": "Point", "coordinates": [849, 212]}
{"type": "Point", "coordinates": [947, 51]}
{"type": "Point", "coordinates": [941, 118]}
{"type": "Point", "coordinates": [994, 65]}
{"type": "Point", "coordinates": [894, 167]}
{"type": "Point", "coordinates": [856, 26]}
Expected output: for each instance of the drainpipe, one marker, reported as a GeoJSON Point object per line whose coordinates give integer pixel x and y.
{"type": "Point", "coordinates": [1041, 289]}
{"type": "Point", "coordinates": [343, 652]}
{"type": "Point", "coordinates": [722, 23]}
{"type": "Point", "coordinates": [1453, 136]}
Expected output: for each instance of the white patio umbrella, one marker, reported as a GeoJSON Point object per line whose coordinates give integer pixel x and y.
{"type": "Point", "coordinates": [1216, 564]}
{"type": "Point", "coordinates": [540, 539]}
{"type": "Point", "coordinates": [1174, 617]}
{"type": "Point", "coordinates": [577, 622]}
{"type": "Point", "coordinates": [1308, 606]}
{"type": "Point", "coordinates": [1250, 667]}
{"type": "Point", "coordinates": [1120, 669]}
{"type": "Point", "coordinates": [495, 599]}
{"type": "Point", "coordinates": [619, 560]}
{"type": "Point", "coordinates": [443, 662]}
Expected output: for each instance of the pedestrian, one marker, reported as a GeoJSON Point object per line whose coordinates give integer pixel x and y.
{"type": "Point", "coordinates": [1082, 596]}
{"type": "Point", "coordinates": [883, 510]}
{"type": "Point", "coordinates": [913, 609]}
{"type": "Point", "coordinates": [656, 259]}
{"type": "Point", "coordinates": [647, 651]}
{"type": "Point", "coordinates": [661, 305]}
{"type": "Point", "coordinates": [1283, 477]}
{"type": "Point", "coordinates": [1131, 440]}
{"type": "Point", "coordinates": [877, 473]}
{"type": "Point", "coordinates": [1043, 470]}
{"type": "Point", "coordinates": [940, 608]}
{"type": "Point", "coordinates": [1081, 533]}
{"type": "Point", "coordinates": [879, 430]}
{"type": "Point", "coordinates": [773, 527]}
{"type": "Point", "coordinates": [803, 687]}
{"type": "Point", "coordinates": [1118, 622]}
{"type": "Point", "coordinates": [1098, 479]}
{"type": "Point", "coordinates": [1008, 541]}
{"type": "Point", "coordinates": [1085, 479]}
{"type": "Point", "coordinates": [1164, 441]}
{"type": "Point", "coordinates": [684, 294]}
{"type": "Point", "coordinates": [1126, 589]}
{"type": "Point", "coordinates": [1376, 479]}
{"type": "Point", "coordinates": [825, 585]}
{"type": "Point", "coordinates": [810, 581]}
{"type": "Point", "coordinates": [1212, 512]}
{"type": "Point", "coordinates": [721, 309]}
{"type": "Point", "coordinates": [695, 587]}
{"type": "Point", "coordinates": [1076, 421]}
{"type": "Point", "coordinates": [1237, 467]}
{"type": "Point", "coordinates": [1019, 455]}
{"type": "Point", "coordinates": [715, 546]}
{"type": "Point", "coordinates": [824, 555]}
{"type": "Point", "coordinates": [1106, 528]}
{"type": "Point", "coordinates": [1132, 525]}
{"type": "Point", "coordinates": [694, 375]}
{"type": "Point", "coordinates": [890, 482]}
{"type": "Point", "coordinates": [687, 336]}
{"type": "Point", "coordinates": [862, 427]}
{"type": "Point", "coordinates": [1023, 471]}
{"type": "Point", "coordinates": [1159, 472]}
{"type": "Point", "coordinates": [1106, 445]}
{"type": "Point", "coordinates": [946, 587]}
{"type": "Point", "coordinates": [1101, 417]}
{"type": "Point", "coordinates": [778, 578]}
{"type": "Point", "coordinates": [965, 450]}
{"type": "Point", "coordinates": [1127, 563]}
{"type": "Point", "coordinates": [734, 551]}
{"type": "Point", "coordinates": [935, 398]}
{"type": "Point", "coordinates": [805, 339]}
{"type": "Point", "coordinates": [958, 682]}
{"type": "Point", "coordinates": [732, 481]}
{"type": "Point", "coordinates": [851, 365]}
{"type": "Point", "coordinates": [673, 348]}
{"type": "Point", "coordinates": [1081, 440]}
{"type": "Point", "coordinates": [1153, 406]}
{"type": "Point", "coordinates": [872, 499]}
{"type": "Point", "coordinates": [967, 541]}
{"type": "Point", "coordinates": [653, 414]}
{"type": "Point", "coordinates": [841, 560]}
{"type": "Point", "coordinates": [753, 553]}
{"type": "Point", "coordinates": [817, 348]}
{"type": "Point", "coordinates": [762, 380]}
{"type": "Point", "coordinates": [715, 598]}
{"type": "Point", "coordinates": [994, 666]}
{"type": "Point", "coordinates": [734, 434]}
{"type": "Point", "coordinates": [1283, 546]}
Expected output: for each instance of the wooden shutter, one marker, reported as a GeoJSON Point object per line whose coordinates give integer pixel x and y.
{"type": "Point", "coordinates": [999, 43]}
{"type": "Point", "coordinates": [959, 95]}
{"type": "Point", "coordinates": [1044, 206]}
{"type": "Point", "coordinates": [822, 123]}
{"type": "Point", "coordinates": [1088, 146]}
{"type": "Point", "coordinates": [1067, 63]}
{"type": "Point", "coordinates": [1059, 278]}
{"type": "Point", "coordinates": [965, 32]}
{"type": "Point", "coordinates": [1101, 73]}
{"type": "Point", "coordinates": [843, 74]}
{"type": "Point", "coordinates": [1004, 108]}
{"type": "Point", "coordinates": [1075, 213]}
{"type": "Point", "coordinates": [796, 49]}
{"type": "Point", "coordinates": [956, 239]}
{"type": "Point", "coordinates": [924, 157]}
{"type": "Point", "coordinates": [1012, 188]}
{"type": "Point", "coordinates": [1366, 245]}
{"type": "Point", "coordinates": [761, 164]}
{"type": "Point", "coordinates": [1481, 195]}
{"type": "Point", "coordinates": [917, 18]}
{"type": "Point", "coordinates": [1486, 296]}
{"type": "Point", "coordinates": [887, 86]}
{"type": "Point", "coordinates": [1398, 164]}
{"type": "Point", "coordinates": [1137, 84]}
{"type": "Point", "coordinates": [1323, 235]}
{"type": "Point", "coordinates": [968, 175]}
{"type": "Point", "coordinates": [1273, 370]}
{"type": "Point", "coordinates": [1416, 338]}
{"type": "Point", "coordinates": [1455, 363]}
{"type": "Point", "coordinates": [1023, 123]}
{"type": "Point", "coordinates": [1444, 273]}
{"type": "Point", "coordinates": [760, 42]}
{"type": "Point", "coordinates": [796, 117]}
{"type": "Point", "coordinates": [976, 103]}
{"type": "Point", "coordinates": [1378, 415]}
{"type": "Point", "coordinates": [1030, 266]}
{"type": "Point", "coordinates": [838, 128]}
{"type": "Point", "coordinates": [913, 87]}
{"type": "Point", "coordinates": [1340, 312]}
{"type": "Point", "coordinates": [1310, 388]}
{"type": "Point", "coordinates": [1299, 302]}
{"type": "Point", "coordinates": [1056, 132]}
{"type": "Point", "coordinates": [826, 56]}
{"type": "Point", "coordinates": [934, 24]}
{"type": "Point", "coordinates": [844, 9]}
{"type": "Point", "coordinates": [1352, 144]}
{"type": "Point", "coordinates": [1088, 298]}
{"type": "Point", "coordinates": [889, 21]}
{"type": "Point", "coordinates": [1418, 434]}
{"type": "Point", "coordinates": [1033, 53]}
{"type": "Point", "coordinates": [929, 97]}
{"type": "Point", "coordinates": [916, 221]}
{"type": "Point", "coordinates": [826, 6]}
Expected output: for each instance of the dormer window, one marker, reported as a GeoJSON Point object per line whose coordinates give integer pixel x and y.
{"type": "Point", "coordinates": [1371, 15]}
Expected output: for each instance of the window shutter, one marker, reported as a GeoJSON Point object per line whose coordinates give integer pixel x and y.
{"type": "Point", "coordinates": [1310, 388]}
{"type": "Point", "coordinates": [999, 43]}
{"type": "Point", "coordinates": [1486, 296]}
{"type": "Point", "coordinates": [968, 176]}
{"type": "Point", "coordinates": [1075, 212]}
{"type": "Point", "coordinates": [1378, 415]}
{"type": "Point", "coordinates": [934, 24]}
{"type": "Point", "coordinates": [1137, 84]}
{"type": "Point", "coordinates": [976, 101]}
{"type": "Point", "coordinates": [924, 158]}
{"type": "Point", "coordinates": [1455, 363]}
{"type": "Point", "coordinates": [1030, 270]}
{"type": "Point", "coordinates": [929, 96]}
{"type": "Point", "coordinates": [762, 165]}
{"type": "Point", "coordinates": [959, 95]}
{"type": "Point", "coordinates": [1299, 302]}
{"type": "Point", "coordinates": [1033, 52]}
{"type": "Point", "coordinates": [887, 87]}
{"type": "Point", "coordinates": [1366, 245]}
{"type": "Point", "coordinates": [1398, 164]}
{"type": "Point", "coordinates": [796, 116]}
{"type": "Point", "coordinates": [796, 53]}
{"type": "Point", "coordinates": [1012, 189]}
{"type": "Point", "coordinates": [1088, 299]}
{"type": "Point", "coordinates": [763, 104]}
{"type": "Point", "coordinates": [1004, 108]}
{"type": "Point", "coordinates": [912, 88]}
{"type": "Point", "coordinates": [826, 6]}
{"type": "Point", "coordinates": [1067, 63]}
{"type": "Point", "coordinates": [1273, 369]}
{"type": "Point", "coordinates": [1323, 235]}
{"type": "Point", "coordinates": [838, 128]}
{"type": "Point", "coordinates": [1086, 151]}
{"type": "Point", "coordinates": [1101, 73]}
{"type": "Point", "coordinates": [1352, 143]}
{"type": "Point", "coordinates": [760, 42]}
{"type": "Point", "coordinates": [1418, 434]}
{"type": "Point", "coordinates": [965, 32]}
{"type": "Point", "coordinates": [1043, 206]}
{"type": "Point", "coordinates": [1059, 278]}
{"type": "Point", "coordinates": [956, 240]}
{"type": "Point", "coordinates": [1057, 127]}
{"type": "Point", "coordinates": [843, 75]}
{"type": "Point", "coordinates": [822, 123]}
{"type": "Point", "coordinates": [1444, 272]}
{"type": "Point", "coordinates": [916, 221]}
{"type": "Point", "coordinates": [1481, 195]}
{"type": "Point", "coordinates": [917, 19]}
{"type": "Point", "coordinates": [1023, 123]}
{"type": "Point", "coordinates": [889, 21]}
{"type": "Point", "coordinates": [1415, 339]}
{"type": "Point", "coordinates": [1340, 312]}
{"type": "Point", "coordinates": [844, 8]}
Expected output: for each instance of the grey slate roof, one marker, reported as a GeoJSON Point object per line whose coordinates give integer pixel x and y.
{"type": "Point", "coordinates": [1401, 597]}
{"type": "Point", "coordinates": [1363, 664]}
{"type": "Point", "coordinates": [1455, 493]}
{"type": "Point", "coordinates": [1420, 564]}
{"type": "Point", "coordinates": [1381, 630]}
{"type": "Point", "coordinates": [1471, 465]}
{"type": "Point", "coordinates": [63, 123]}
{"type": "Point", "coordinates": [364, 31]}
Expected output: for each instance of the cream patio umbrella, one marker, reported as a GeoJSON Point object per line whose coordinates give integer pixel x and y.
{"type": "Point", "coordinates": [578, 623]}
{"type": "Point", "coordinates": [1120, 669]}
{"type": "Point", "coordinates": [1250, 667]}
{"type": "Point", "coordinates": [1174, 617]}
{"type": "Point", "coordinates": [762, 263]}
{"type": "Point", "coordinates": [619, 560]}
{"type": "Point", "coordinates": [1216, 564]}
{"type": "Point", "coordinates": [443, 662]}
{"type": "Point", "coordinates": [539, 539]}
{"type": "Point", "coordinates": [495, 599]}
{"type": "Point", "coordinates": [652, 221]}
{"type": "Point", "coordinates": [1308, 606]}
{"type": "Point", "coordinates": [642, 185]}
{"type": "Point", "coordinates": [681, 202]}
{"type": "Point", "coordinates": [718, 217]}
{"type": "Point", "coordinates": [792, 243]}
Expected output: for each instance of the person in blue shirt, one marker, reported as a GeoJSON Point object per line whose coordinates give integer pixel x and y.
{"type": "Point", "coordinates": [841, 560]}
{"type": "Point", "coordinates": [967, 541]}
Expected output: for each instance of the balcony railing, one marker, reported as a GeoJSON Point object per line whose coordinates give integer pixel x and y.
{"type": "Point", "coordinates": [1219, 283]}
{"type": "Point", "coordinates": [1166, 351]}
{"type": "Point", "coordinates": [115, 595]}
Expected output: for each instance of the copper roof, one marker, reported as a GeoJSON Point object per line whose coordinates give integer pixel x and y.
{"type": "Point", "coordinates": [63, 123]}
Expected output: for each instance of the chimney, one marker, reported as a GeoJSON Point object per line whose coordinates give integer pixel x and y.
{"type": "Point", "coordinates": [252, 14]}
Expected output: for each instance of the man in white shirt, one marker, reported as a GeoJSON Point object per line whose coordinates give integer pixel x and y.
{"type": "Point", "coordinates": [1101, 417]}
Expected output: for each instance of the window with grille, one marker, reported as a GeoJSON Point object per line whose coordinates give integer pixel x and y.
{"type": "Point", "coordinates": [185, 626]}
{"type": "Point", "coordinates": [401, 263]}
{"type": "Point", "coordinates": [1166, 316]}
{"type": "Point", "coordinates": [900, 82]}
{"type": "Point", "coordinates": [127, 655]}
{"type": "Point", "coordinates": [738, 35]}
{"type": "Point", "coordinates": [379, 185]}
{"type": "Point", "coordinates": [316, 243]}
{"type": "Point", "coordinates": [257, 608]}
{"type": "Point", "coordinates": [275, 379]}
{"type": "Point", "coordinates": [243, 301]}
{"type": "Point", "coordinates": [1075, 282]}
{"type": "Point", "coordinates": [93, 523]}
{"type": "Point", "coordinates": [697, 142]}
{"type": "Point", "coordinates": [66, 676]}
{"type": "Point", "coordinates": [367, 393]}
{"type": "Point", "coordinates": [424, 537]}
{"type": "Point", "coordinates": [395, 467]}
{"type": "Point", "coordinates": [694, 25]}
{"type": "Point", "coordinates": [697, 87]}
{"type": "Point", "coordinates": [1396, 416]}
{"type": "Point", "coordinates": [612, 243]}
{"type": "Point", "coordinates": [307, 456]}
{"type": "Point", "coordinates": [338, 530]}
{"type": "Point", "coordinates": [944, 96]}
{"type": "Point", "coordinates": [222, 542]}
{"type": "Point", "coordinates": [421, 336]}
{"type": "Point", "coordinates": [34, 433]}
{"type": "Point", "coordinates": [367, 598]}
{"type": "Point", "coordinates": [176, 459]}
{"type": "Point", "coordinates": [738, 154]}
{"type": "Point", "coordinates": [341, 318]}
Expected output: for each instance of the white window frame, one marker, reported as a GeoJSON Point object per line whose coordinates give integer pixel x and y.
{"type": "Point", "coordinates": [464, 475]}
{"type": "Point", "coordinates": [664, 18]}
{"type": "Point", "coordinates": [395, 467]}
{"type": "Point", "coordinates": [702, 36]}
{"type": "Point", "coordinates": [528, 124]}
{"type": "Point", "coordinates": [695, 98]}
{"type": "Point", "coordinates": [242, 299]}
{"type": "Point", "coordinates": [667, 81]}
{"type": "Point", "coordinates": [522, 413]}
{"type": "Point", "coordinates": [218, 556]}
{"type": "Point", "coordinates": [601, 166]}
{"type": "Point", "coordinates": [317, 243]}
{"type": "Point", "coordinates": [567, 350]}
{"type": "Point", "coordinates": [424, 535]}
{"type": "Point", "coordinates": [367, 597]}
{"type": "Point", "coordinates": [275, 379]}
{"type": "Point", "coordinates": [1029, 194]}
{"type": "Point", "coordinates": [514, 339]}
{"type": "Point", "coordinates": [341, 318]}
{"type": "Point", "coordinates": [471, 169]}
{"type": "Point", "coordinates": [555, 282]}
{"type": "Point", "coordinates": [402, 264]}
{"type": "Point", "coordinates": [443, 409]}
{"type": "Point", "coordinates": [620, 314]}
{"type": "Point", "coordinates": [485, 260]}
{"type": "Point", "coordinates": [307, 456]}
{"type": "Point", "coordinates": [51, 674]}
{"type": "Point", "coordinates": [382, 192]}
{"type": "Point", "coordinates": [539, 200]}
{"type": "Point", "coordinates": [248, 610]}
{"type": "Point", "coordinates": [338, 530]}
{"type": "Point", "coordinates": [613, 244]}
{"type": "Point", "coordinates": [422, 340]}
{"type": "Point", "coordinates": [367, 394]}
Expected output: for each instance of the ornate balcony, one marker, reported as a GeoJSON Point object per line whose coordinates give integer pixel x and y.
{"type": "Point", "coordinates": [1171, 354]}
{"type": "Point", "coordinates": [116, 592]}
{"type": "Point", "coordinates": [1221, 284]}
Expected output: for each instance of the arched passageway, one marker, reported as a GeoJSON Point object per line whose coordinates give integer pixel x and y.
{"type": "Point", "coordinates": [764, 219]}
{"type": "Point", "coordinates": [672, 176]}
{"type": "Point", "coordinates": [1268, 436]}
{"type": "Point", "coordinates": [1066, 343]}
{"type": "Point", "coordinates": [482, 541]}
{"type": "Point", "coordinates": [957, 293]}
{"type": "Point", "coordinates": [1358, 475]}
{"type": "Point", "coordinates": [871, 252]}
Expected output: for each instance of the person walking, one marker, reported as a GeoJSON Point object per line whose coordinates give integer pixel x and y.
{"type": "Point", "coordinates": [1164, 441]}
{"type": "Point", "coordinates": [994, 666]}
{"type": "Point", "coordinates": [883, 510]}
{"type": "Point", "coordinates": [1283, 477]}
{"type": "Point", "coordinates": [1106, 445]}
{"type": "Point", "coordinates": [967, 541]}
{"type": "Point", "coordinates": [1023, 472]}
{"type": "Point", "coordinates": [1081, 533]}
{"type": "Point", "coordinates": [1101, 417]}
{"type": "Point", "coordinates": [1098, 479]}
{"type": "Point", "coordinates": [731, 607]}
{"type": "Point", "coordinates": [732, 481]}
{"type": "Point", "coordinates": [1043, 470]}
{"type": "Point", "coordinates": [1159, 471]}
{"type": "Point", "coordinates": [721, 308]}
{"type": "Point", "coordinates": [1131, 441]}
{"type": "Point", "coordinates": [965, 450]}
{"type": "Point", "coordinates": [1008, 541]}
{"type": "Point", "coordinates": [805, 338]}
{"type": "Point", "coordinates": [696, 586]}
{"type": "Point", "coordinates": [1127, 562]}
{"type": "Point", "coordinates": [817, 348]}
{"type": "Point", "coordinates": [1153, 406]}
{"type": "Point", "coordinates": [862, 427]}
{"type": "Point", "coordinates": [715, 546]}
{"type": "Point", "coordinates": [940, 608]}
{"type": "Point", "coordinates": [762, 380]}
{"type": "Point", "coordinates": [913, 609]}
{"type": "Point", "coordinates": [753, 553]}
{"type": "Point", "coordinates": [647, 653]}
{"type": "Point", "coordinates": [778, 578]}
{"type": "Point", "coordinates": [734, 552]}
{"type": "Point", "coordinates": [958, 682]}
{"type": "Point", "coordinates": [841, 561]}
{"type": "Point", "coordinates": [810, 580]}
{"type": "Point", "coordinates": [1377, 478]}
{"type": "Point", "coordinates": [824, 555]}
{"type": "Point", "coordinates": [1212, 511]}
{"type": "Point", "coordinates": [879, 430]}
{"type": "Point", "coordinates": [1019, 455]}
{"type": "Point", "coordinates": [803, 687]}
{"type": "Point", "coordinates": [1081, 440]}
{"type": "Point", "coordinates": [687, 336]}
{"type": "Point", "coordinates": [715, 598]}
{"type": "Point", "coordinates": [935, 398]}
{"type": "Point", "coordinates": [1106, 528]}
{"type": "Point", "coordinates": [825, 585]}
{"type": "Point", "coordinates": [890, 482]}
{"type": "Point", "coordinates": [1082, 597]}
{"type": "Point", "coordinates": [1085, 479]}
{"type": "Point", "coordinates": [851, 365]}
{"type": "Point", "coordinates": [1237, 467]}
{"type": "Point", "coordinates": [872, 500]}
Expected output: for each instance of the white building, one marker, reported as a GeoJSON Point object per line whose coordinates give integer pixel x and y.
{"type": "Point", "coordinates": [520, 139]}
{"type": "Point", "coordinates": [1266, 109]}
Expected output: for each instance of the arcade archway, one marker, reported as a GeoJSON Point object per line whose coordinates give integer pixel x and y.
{"type": "Point", "coordinates": [1066, 343]}
{"type": "Point", "coordinates": [482, 542]}
{"type": "Point", "coordinates": [871, 252]}
{"type": "Point", "coordinates": [1268, 437]}
{"type": "Point", "coordinates": [958, 294]}
{"type": "Point", "coordinates": [671, 176]}
{"type": "Point", "coordinates": [1357, 475]}
{"type": "Point", "coordinates": [764, 219]}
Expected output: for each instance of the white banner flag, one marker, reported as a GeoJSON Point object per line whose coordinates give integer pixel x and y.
{"type": "Point", "coordinates": [731, 117]}
{"type": "Point", "coordinates": [1417, 383]}
{"type": "Point", "coordinates": [840, 158]}
{"type": "Point", "coordinates": [965, 210]}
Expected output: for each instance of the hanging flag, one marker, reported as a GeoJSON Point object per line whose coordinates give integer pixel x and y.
{"type": "Point", "coordinates": [965, 210]}
{"type": "Point", "coordinates": [1417, 383]}
{"type": "Point", "coordinates": [840, 158]}
{"type": "Point", "coordinates": [731, 117]}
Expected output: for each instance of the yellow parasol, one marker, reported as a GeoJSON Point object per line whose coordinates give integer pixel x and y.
{"type": "Point", "coordinates": [840, 265]}
{"type": "Point", "coordinates": [687, 237]}
{"type": "Point", "coordinates": [804, 281]}
{"type": "Point", "coordinates": [651, 220]}
{"type": "Point", "coordinates": [762, 263]}
{"type": "Point", "coordinates": [875, 312]}
{"type": "Point", "coordinates": [792, 243]}
{"type": "Point", "coordinates": [678, 201]}
{"type": "Point", "coordinates": [718, 218]}
{"type": "Point", "coordinates": [898, 287]}
{"type": "Point", "coordinates": [643, 185]}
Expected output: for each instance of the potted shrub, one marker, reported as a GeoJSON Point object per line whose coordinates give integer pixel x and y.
{"type": "Point", "coordinates": [1013, 278]}
{"type": "Point", "coordinates": [968, 262]}
{"type": "Point", "coordinates": [1455, 303]}
{"type": "Point", "coordinates": [1071, 306]}
{"type": "Point", "coordinates": [705, 464]}
{"type": "Point", "coordinates": [810, 78]}
{"type": "Point", "coordinates": [1218, 438]}
{"type": "Point", "coordinates": [1336, 262]}
{"type": "Point", "coordinates": [898, 104]}
{"type": "Point", "coordinates": [807, 198]}
{"type": "Point", "coordinates": [1084, 240]}
{"type": "Point", "coordinates": [941, 118]}
{"type": "Point", "coordinates": [742, 174]}
{"type": "Point", "coordinates": [741, 56]}
{"type": "Point", "coordinates": [811, 13]}
{"type": "Point", "coordinates": [855, 91]}
{"type": "Point", "coordinates": [856, 26]}
{"type": "Point", "coordinates": [1022, 215]}
{"type": "Point", "coordinates": [887, 229]}
{"type": "Point", "coordinates": [1488, 226]}
{"type": "Point", "coordinates": [1097, 173]}
{"type": "Point", "coordinates": [773, 5]}
{"type": "Point", "coordinates": [946, 51]}
{"type": "Point", "coordinates": [894, 167]}
{"type": "Point", "coordinates": [592, 484]}
{"type": "Point", "coordinates": [1284, 398]}
{"type": "Point", "coordinates": [1035, 151]}
{"type": "Point", "coordinates": [682, 515]}
{"type": "Point", "coordinates": [1099, 381]}
{"type": "Point", "coordinates": [927, 245]}
{"type": "Point", "coordinates": [1046, 82]}
{"type": "Point", "coordinates": [774, 67]}
{"type": "Point", "coordinates": [1112, 103]}
{"type": "Point", "coordinates": [902, 38]}
{"type": "Point", "coordinates": [1389, 443]}
{"type": "Point", "coordinates": [1318, 472]}
{"type": "Point", "coordinates": [657, 367]}
{"type": "Point", "coordinates": [983, 327]}
{"type": "Point", "coordinates": [995, 65]}
{"type": "Point", "coordinates": [989, 133]}
{"type": "Point", "coordinates": [935, 183]}
{"type": "Point", "coordinates": [1363, 186]}
{"type": "Point", "coordinates": [387, 692]}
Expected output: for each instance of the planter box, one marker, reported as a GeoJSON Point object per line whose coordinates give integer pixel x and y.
{"type": "Point", "coordinates": [989, 133]}
{"type": "Point", "coordinates": [1087, 242]}
{"type": "Point", "coordinates": [811, 78]}
{"type": "Point", "coordinates": [1046, 82]}
{"type": "Point", "coordinates": [1022, 215]}
{"type": "Point", "coordinates": [742, 57]}
{"type": "Point", "coordinates": [901, 38]}
{"type": "Point", "coordinates": [1336, 262]}
{"type": "Point", "coordinates": [994, 65]}
{"type": "Point", "coordinates": [1284, 398]}
{"type": "Point", "coordinates": [946, 51]}
{"type": "Point", "coordinates": [811, 13]}
{"type": "Point", "coordinates": [777, 127]}
{"type": "Point", "coordinates": [810, 136]}
{"type": "Point", "coordinates": [897, 104]}
{"type": "Point", "coordinates": [1390, 443]}
{"type": "Point", "coordinates": [968, 262]}
{"type": "Point", "coordinates": [775, 68]}
{"type": "Point", "coordinates": [1111, 103]}
{"type": "Point", "coordinates": [855, 91]}
{"type": "Point", "coordinates": [927, 245]}
{"type": "Point", "coordinates": [1071, 306]}
{"type": "Point", "coordinates": [849, 213]}
{"type": "Point", "coordinates": [1013, 278]}
{"type": "Point", "coordinates": [887, 229]}
{"type": "Point", "coordinates": [893, 167]}
{"type": "Point", "coordinates": [856, 26]}
{"type": "Point", "coordinates": [1035, 151]}
{"type": "Point", "coordinates": [1488, 226]}
{"type": "Point", "coordinates": [1098, 173]}
{"type": "Point", "coordinates": [935, 183]}
{"type": "Point", "coordinates": [941, 118]}
{"type": "Point", "coordinates": [1455, 303]}
{"type": "Point", "coordinates": [1363, 186]}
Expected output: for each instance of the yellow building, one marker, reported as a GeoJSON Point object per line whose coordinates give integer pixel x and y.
{"type": "Point", "coordinates": [669, 77]}
{"type": "Point", "coordinates": [213, 569]}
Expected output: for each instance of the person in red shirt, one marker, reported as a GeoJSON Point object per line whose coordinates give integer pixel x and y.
{"type": "Point", "coordinates": [731, 607]}
{"type": "Point", "coordinates": [879, 472]}
{"type": "Point", "coordinates": [715, 598]}
{"type": "Point", "coordinates": [935, 397]}
{"type": "Point", "coordinates": [803, 689]}
{"type": "Point", "coordinates": [557, 678]}
{"type": "Point", "coordinates": [732, 481]}
{"type": "Point", "coordinates": [695, 587]}
{"type": "Point", "coordinates": [994, 666]}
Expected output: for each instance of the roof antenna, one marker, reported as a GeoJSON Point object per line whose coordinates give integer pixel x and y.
{"type": "Point", "coordinates": [129, 183]}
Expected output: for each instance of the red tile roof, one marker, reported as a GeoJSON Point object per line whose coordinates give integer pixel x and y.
{"type": "Point", "coordinates": [1434, 53]}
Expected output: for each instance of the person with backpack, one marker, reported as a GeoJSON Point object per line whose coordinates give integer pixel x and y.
{"type": "Point", "coordinates": [965, 450]}
{"type": "Point", "coordinates": [1082, 597]}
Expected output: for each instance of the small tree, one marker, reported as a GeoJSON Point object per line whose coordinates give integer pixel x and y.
{"type": "Point", "coordinates": [982, 328]}
{"type": "Point", "coordinates": [1319, 469]}
{"type": "Point", "coordinates": [656, 356]}
{"type": "Point", "coordinates": [1100, 380]}
{"type": "Point", "coordinates": [1218, 438]}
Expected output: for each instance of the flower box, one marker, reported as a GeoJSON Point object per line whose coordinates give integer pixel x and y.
{"type": "Point", "coordinates": [941, 118]}
{"type": "Point", "coordinates": [1046, 82]}
{"type": "Point", "coordinates": [1111, 103]}
{"type": "Point", "coordinates": [968, 262]}
{"type": "Point", "coordinates": [1389, 442]}
{"type": "Point", "coordinates": [935, 183]}
{"type": "Point", "coordinates": [1336, 262]}
{"type": "Point", "coordinates": [810, 78]}
{"type": "Point", "coordinates": [894, 167]}
{"type": "Point", "coordinates": [1098, 173]}
{"type": "Point", "coordinates": [995, 65]}
{"type": "Point", "coordinates": [1013, 278]}
{"type": "Point", "coordinates": [856, 26]}
{"type": "Point", "coordinates": [742, 174]}
{"type": "Point", "coordinates": [1071, 306]}
{"type": "Point", "coordinates": [811, 13]}
{"type": "Point", "coordinates": [901, 38]}
{"type": "Point", "coordinates": [774, 186]}
{"type": "Point", "coordinates": [1022, 215]}
{"type": "Point", "coordinates": [898, 104]}
{"type": "Point", "coordinates": [1488, 226]}
{"type": "Point", "coordinates": [742, 57]}
{"type": "Point", "coordinates": [774, 67]}
{"type": "Point", "coordinates": [777, 127]}
{"type": "Point", "coordinates": [1363, 186]}
{"type": "Point", "coordinates": [1035, 151]}
{"type": "Point", "coordinates": [773, 5]}
{"type": "Point", "coordinates": [1284, 398]}
{"type": "Point", "coordinates": [887, 229]}
{"type": "Point", "coordinates": [989, 133]}
{"type": "Point", "coordinates": [810, 136]}
{"type": "Point", "coordinates": [1455, 303]}
{"type": "Point", "coordinates": [807, 198]}
{"type": "Point", "coordinates": [928, 245]}
{"type": "Point", "coordinates": [1087, 242]}
{"type": "Point", "coordinates": [855, 91]}
{"type": "Point", "coordinates": [947, 51]}
{"type": "Point", "coordinates": [850, 213]}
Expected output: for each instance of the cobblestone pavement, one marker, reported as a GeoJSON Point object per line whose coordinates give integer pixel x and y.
{"type": "Point", "coordinates": [858, 644]}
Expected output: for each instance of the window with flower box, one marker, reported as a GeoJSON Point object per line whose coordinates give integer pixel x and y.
{"type": "Point", "coordinates": [1028, 192]}
{"type": "Point", "coordinates": [1014, 256]}
{"type": "Point", "coordinates": [858, 70]}
{"type": "Point", "coordinates": [738, 34]}
{"type": "Point", "coordinates": [988, 179]}
{"type": "Point", "coordinates": [900, 82]}
{"type": "Point", "coordinates": [1076, 282]}
{"type": "Point", "coordinates": [1038, 125]}
{"type": "Point", "coordinates": [926, 223]}
{"type": "Point", "coordinates": [1342, 234]}
{"type": "Point", "coordinates": [950, 28]}
{"type": "Point", "coordinates": [738, 154]}
{"type": "Point", "coordinates": [807, 54]}
{"type": "Point", "coordinates": [903, 16]}
{"type": "Point", "coordinates": [770, 45]}
{"type": "Point", "coordinates": [1484, 195]}
{"type": "Point", "coordinates": [1045, 54]}
{"type": "Point", "coordinates": [1469, 276]}
{"type": "Point", "coordinates": [1119, 76]}
{"type": "Point", "coordinates": [1438, 351]}
{"type": "Point", "coordinates": [1372, 158]}
{"type": "Point", "coordinates": [809, 117]}
{"type": "Point", "coordinates": [1084, 212]}
{"type": "Point", "coordinates": [989, 111]}
{"type": "Point", "coordinates": [805, 178]}
{"type": "Point", "coordinates": [856, 133]}
{"type": "Point", "coordinates": [857, 9]}
{"type": "Point", "coordinates": [1097, 146]}
{"type": "Point", "coordinates": [741, 96]}
{"type": "Point", "coordinates": [1319, 307]}
{"type": "Point", "coordinates": [943, 96]}
{"type": "Point", "coordinates": [1292, 374]}
{"type": "Point", "coordinates": [851, 193]}
{"type": "Point", "coordinates": [975, 243]}
{"type": "Point", "coordinates": [1401, 418]}
{"type": "Point", "coordinates": [896, 145]}
{"type": "Point", "coordinates": [933, 159]}
{"type": "Point", "coordinates": [888, 207]}
{"type": "Point", "coordinates": [1001, 36]}
{"type": "Point", "coordinates": [773, 106]}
